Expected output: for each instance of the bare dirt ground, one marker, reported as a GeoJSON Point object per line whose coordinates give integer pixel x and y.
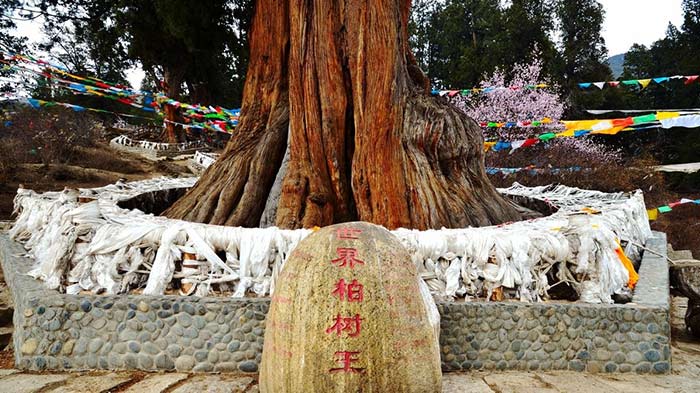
{"type": "Point", "coordinates": [95, 167]}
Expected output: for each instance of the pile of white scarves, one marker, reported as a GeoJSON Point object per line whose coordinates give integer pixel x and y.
{"type": "Point", "coordinates": [204, 160]}
{"type": "Point", "coordinates": [124, 140]}
{"type": "Point", "coordinates": [97, 246]}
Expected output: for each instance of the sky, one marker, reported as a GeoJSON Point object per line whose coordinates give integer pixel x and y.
{"type": "Point", "coordinates": [32, 30]}
{"type": "Point", "coordinates": [638, 21]}
{"type": "Point", "coordinates": [626, 22]}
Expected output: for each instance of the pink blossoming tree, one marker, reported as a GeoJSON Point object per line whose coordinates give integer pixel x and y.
{"type": "Point", "coordinates": [517, 103]}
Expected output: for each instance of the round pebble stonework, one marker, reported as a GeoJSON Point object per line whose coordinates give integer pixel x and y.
{"type": "Point", "coordinates": [212, 335]}
{"type": "Point", "coordinates": [143, 332]}
{"type": "Point", "coordinates": [593, 338]}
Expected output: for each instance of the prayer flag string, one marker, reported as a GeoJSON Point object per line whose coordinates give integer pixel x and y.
{"type": "Point", "coordinates": [642, 83]}
{"type": "Point", "coordinates": [579, 128]}
{"type": "Point", "coordinates": [654, 213]}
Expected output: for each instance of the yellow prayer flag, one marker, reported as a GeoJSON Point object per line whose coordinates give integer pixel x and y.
{"type": "Point", "coordinates": [608, 131]}
{"type": "Point", "coordinates": [489, 145]}
{"type": "Point", "coordinates": [580, 124]}
{"type": "Point", "coordinates": [653, 214]}
{"type": "Point", "coordinates": [565, 134]}
{"type": "Point", "coordinates": [644, 82]}
{"type": "Point", "coordinates": [546, 120]}
{"type": "Point", "coordinates": [667, 115]}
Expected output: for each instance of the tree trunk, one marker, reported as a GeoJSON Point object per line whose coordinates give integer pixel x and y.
{"type": "Point", "coordinates": [367, 140]}
{"type": "Point", "coordinates": [685, 277]}
{"type": "Point", "coordinates": [172, 79]}
{"type": "Point", "coordinates": [234, 190]}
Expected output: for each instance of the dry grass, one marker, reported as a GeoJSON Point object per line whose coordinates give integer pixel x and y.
{"type": "Point", "coordinates": [682, 226]}
{"type": "Point", "coordinates": [103, 157]}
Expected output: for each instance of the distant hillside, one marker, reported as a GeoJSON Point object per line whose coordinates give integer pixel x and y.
{"type": "Point", "coordinates": [616, 64]}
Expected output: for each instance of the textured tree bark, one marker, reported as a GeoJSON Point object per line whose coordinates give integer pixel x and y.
{"type": "Point", "coordinates": [234, 190]}
{"type": "Point", "coordinates": [173, 81]}
{"type": "Point", "coordinates": [367, 141]}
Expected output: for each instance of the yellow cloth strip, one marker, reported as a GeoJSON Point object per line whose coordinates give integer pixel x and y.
{"type": "Point", "coordinates": [608, 131]}
{"type": "Point", "coordinates": [634, 277]}
{"type": "Point", "coordinates": [667, 115]}
{"type": "Point", "coordinates": [653, 214]}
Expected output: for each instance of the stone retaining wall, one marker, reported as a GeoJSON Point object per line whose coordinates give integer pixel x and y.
{"type": "Point", "coordinates": [566, 336]}
{"type": "Point", "coordinates": [57, 331]}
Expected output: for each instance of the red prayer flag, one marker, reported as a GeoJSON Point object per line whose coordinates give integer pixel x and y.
{"type": "Point", "coordinates": [530, 141]}
{"type": "Point", "coordinates": [614, 84]}
{"type": "Point", "coordinates": [691, 79]}
{"type": "Point", "coordinates": [623, 122]}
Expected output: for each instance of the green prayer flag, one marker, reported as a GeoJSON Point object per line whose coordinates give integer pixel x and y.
{"type": "Point", "coordinates": [536, 123]}
{"type": "Point", "coordinates": [466, 92]}
{"type": "Point", "coordinates": [630, 82]}
{"type": "Point", "coordinates": [547, 136]}
{"type": "Point", "coordinates": [665, 209]}
{"type": "Point", "coordinates": [644, 119]}
{"type": "Point", "coordinates": [492, 125]}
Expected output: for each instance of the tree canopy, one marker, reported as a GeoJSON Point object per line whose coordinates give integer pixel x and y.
{"type": "Point", "coordinates": [459, 42]}
{"type": "Point", "coordinates": [200, 52]}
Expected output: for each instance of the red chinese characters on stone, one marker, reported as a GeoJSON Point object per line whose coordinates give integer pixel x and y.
{"type": "Point", "coordinates": [347, 233]}
{"type": "Point", "coordinates": [352, 292]}
{"type": "Point", "coordinates": [346, 358]}
{"type": "Point", "coordinates": [351, 325]}
{"type": "Point", "coordinates": [346, 257]}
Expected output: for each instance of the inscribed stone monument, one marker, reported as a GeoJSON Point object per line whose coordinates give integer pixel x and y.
{"type": "Point", "coordinates": [347, 316]}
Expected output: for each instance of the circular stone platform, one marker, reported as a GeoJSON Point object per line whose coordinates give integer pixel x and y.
{"type": "Point", "coordinates": [76, 238]}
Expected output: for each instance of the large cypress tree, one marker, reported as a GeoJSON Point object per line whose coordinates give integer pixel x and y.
{"type": "Point", "coordinates": [367, 141]}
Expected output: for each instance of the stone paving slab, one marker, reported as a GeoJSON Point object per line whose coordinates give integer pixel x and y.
{"type": "Point", "coordinates": [674, 383]}
{"type": "Point", "coordinates": [518, 383]}
{"type": "Point", "coordinates": [569, 382]}
{"type": "Point", "coordinates": [30, 383]}
{"type": "Point", "coordinates": [156, 383]}
{"type": "Point", "coordinates": [474, 382]}
{"type": "Point", "coordinates": [465, 383]}
{"type": "Point", "coordinates": [214, 384]}
{"type": "Point", "coordinates": [93, 383]}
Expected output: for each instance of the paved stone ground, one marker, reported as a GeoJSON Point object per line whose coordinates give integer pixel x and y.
{"type": "Point", "coordinates": [685, 377]}
{"type": "Point", "coordinates": [475, 382]}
